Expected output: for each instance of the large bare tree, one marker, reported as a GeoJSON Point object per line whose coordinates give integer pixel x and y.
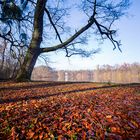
{"type": "Point", "coordinates": [27, 23]}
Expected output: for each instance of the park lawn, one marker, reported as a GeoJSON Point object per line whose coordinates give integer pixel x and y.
{"type": "Point", "coordinates": [68, 110]}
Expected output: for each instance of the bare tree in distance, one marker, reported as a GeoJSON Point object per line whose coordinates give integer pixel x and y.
{"type": "Point", "coordinates": [124, 73]}
{"type": "Point", "coordinates": [27, 23]}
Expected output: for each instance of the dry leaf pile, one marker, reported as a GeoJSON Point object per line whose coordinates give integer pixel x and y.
{"type": "Point", "coordinates": [51, 111]}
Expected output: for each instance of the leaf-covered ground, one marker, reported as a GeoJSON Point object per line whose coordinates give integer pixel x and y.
{"type": "Point", "coordinates": [76, 111]}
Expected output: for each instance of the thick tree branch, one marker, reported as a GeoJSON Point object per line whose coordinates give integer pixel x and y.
{"type": "Point", "coordinates": [64, 44]}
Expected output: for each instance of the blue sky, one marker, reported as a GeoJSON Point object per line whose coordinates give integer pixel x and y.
{"type": "Point", "coordinates": [129, 33]}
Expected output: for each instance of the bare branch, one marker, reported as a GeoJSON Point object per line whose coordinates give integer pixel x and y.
{"type": "Point", "coordinates": [108, 34]}
{"type": "Point", "coordinates": [53, 24]}
{"type": "Point", "coordinates": [64, 44]}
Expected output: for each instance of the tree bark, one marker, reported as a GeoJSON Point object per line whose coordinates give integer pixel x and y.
{"type": "Point", "coordinates": [34, 50]}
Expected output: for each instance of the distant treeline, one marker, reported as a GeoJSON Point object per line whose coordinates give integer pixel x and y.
{"type": "Point", "coordinates": [126, 73]}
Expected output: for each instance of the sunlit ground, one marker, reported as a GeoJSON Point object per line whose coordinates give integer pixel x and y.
{"type": "Point", "coordinates": [59, 110]}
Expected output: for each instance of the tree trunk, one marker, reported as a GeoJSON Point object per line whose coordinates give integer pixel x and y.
{"type": "Point", "coordinates": [34, 50]}
{"type": "Point", "coordinates": [26, 69]}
